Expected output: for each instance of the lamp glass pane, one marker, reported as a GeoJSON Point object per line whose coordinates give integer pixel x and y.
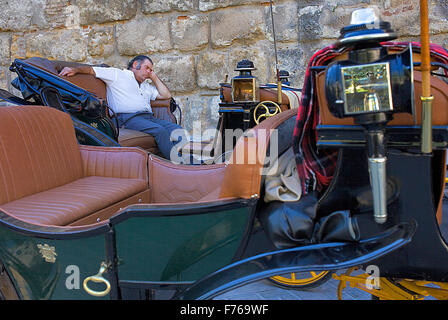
{"type": "Point", "coordinates": [367, 88]}
{"type": "Point", "coordinates": [243, 89]}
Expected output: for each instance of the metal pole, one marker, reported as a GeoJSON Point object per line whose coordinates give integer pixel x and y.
{"type": "Point", "coordinates": [426, 97]}
{"type": "Point", "coordinates": [279, 84]}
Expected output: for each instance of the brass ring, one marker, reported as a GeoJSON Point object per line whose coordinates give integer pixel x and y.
{"type": "Point", "coordinates": [98, 278]}
{"type": "Point", "coordinates": [430, 98]}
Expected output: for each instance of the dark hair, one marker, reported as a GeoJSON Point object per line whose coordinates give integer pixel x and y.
{"type": "Point", "coordinates": [139, 59]}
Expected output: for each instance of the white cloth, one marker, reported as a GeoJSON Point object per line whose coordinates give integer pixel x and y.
{"type": "Point", "coordinates": [124, 94]}
{"type": "Point", "coordinates": [294, 98]}
{"type": "Point", "coordinates": [282, 181]}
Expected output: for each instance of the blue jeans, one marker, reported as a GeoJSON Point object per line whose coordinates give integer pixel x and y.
{"type": "Point", "coordinates": [160, 129]}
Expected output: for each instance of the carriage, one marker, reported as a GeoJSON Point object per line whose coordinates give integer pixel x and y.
{"type": "Point", "coordinates": [111, 221]}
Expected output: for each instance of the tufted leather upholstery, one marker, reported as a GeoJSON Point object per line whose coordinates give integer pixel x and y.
{"type": "Point", "coordinates": [47, 178]}
{"type": "Point", "coordinates": [171, 183]}
{"type": "Point", "coordinates": [240, 178]}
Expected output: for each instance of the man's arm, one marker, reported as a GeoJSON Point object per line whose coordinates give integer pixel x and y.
{"type": "Point", "coordinates": [164, 92]}
{"type": "Point", "coordinates": [69, 72]}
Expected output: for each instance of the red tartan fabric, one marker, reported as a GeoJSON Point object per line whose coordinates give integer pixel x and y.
{"type": "Point", "coordinates": [316, 167]}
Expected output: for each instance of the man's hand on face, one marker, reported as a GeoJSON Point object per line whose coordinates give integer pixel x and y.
{"type": "Point", "coordinates": [152, 75]}
{"type": "Point", "coordinates": [68, 72]}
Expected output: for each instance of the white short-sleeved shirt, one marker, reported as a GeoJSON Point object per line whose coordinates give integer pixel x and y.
{"type": "Point", "coordinates": [124, 94]}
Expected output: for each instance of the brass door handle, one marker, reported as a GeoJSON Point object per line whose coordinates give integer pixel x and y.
{"type": "Point", "coordinates": [98, 278]}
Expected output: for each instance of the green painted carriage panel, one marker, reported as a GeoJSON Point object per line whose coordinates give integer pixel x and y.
{"type": "Point", "coordinates": [57, 275]}
{"type": "Point", "coordinates": [178, 248]}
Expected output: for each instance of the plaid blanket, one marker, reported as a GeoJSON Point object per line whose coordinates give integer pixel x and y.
{"type": "Point", "coordinates": [316, 167]}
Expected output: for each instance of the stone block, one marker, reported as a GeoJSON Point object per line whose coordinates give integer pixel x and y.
{"type": "Point", "coordinates": [189, 32]}
{"type": "Point", "coordinates": [72, 17]}
{"type": "Point", "coordinates": [409, 22]}
{"type": "Point", "coordinates": [93, 11]}
{"type": "Point", "coordinates": [57, 14]}
{"type": "Point", "coordinates": [246, 24]}
{"type": "Point", "coordinates": [207, 5]}
{"type": "Point", "coordinates": [438, 13]}
{"type": "Point", "coordinates": [143, 36]}
{"type": "Point", "coordinates": [291, 59]}
{"type": "Point", "coordinates": [178, 73]}
{"type": "Point", "coordinates": [155, 6]}
{"type": "Point", "coordinates": [211, 69]}
{"type": "Point", "coordinates": [285, 22]}
{"type": "Point", "coordinates": [4, 78]}
{"type": "Point", "coordinates": [259, 55]}
{"type": "Point", "coordinates": [5, 49]}
{"type": "Point", "coordinates": [310, 27]}
{"type": "Point", "coordinates": [101, 42]}
{"type": "Point", "coordinates": [322, 21]}
{"type": "Point", "coordinates": [22, 15]}
{"type": "Point", "coordinates": [60, 44]}
{"type": "Point", "coordinates": [18, 46]}
{"type": "Point", "coordinates": [115, 60]}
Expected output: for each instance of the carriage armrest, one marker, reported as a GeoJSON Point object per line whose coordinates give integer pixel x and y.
{"type": "Point", "coordinates": [160, 103]}
{"type": "Point", "coordinates": [162, 110]}
{"type": "Point", "coordinates": [117, 162]}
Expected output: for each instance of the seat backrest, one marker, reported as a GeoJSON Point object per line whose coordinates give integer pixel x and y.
{"type": "Point", "coordinates": [86, 81]}
{"type": "Point", "coordinates": [38, 151]}
{"type": "Point", "coordinates": [244, 174]}
{"type": "Point", "coordinates": [242, 178]}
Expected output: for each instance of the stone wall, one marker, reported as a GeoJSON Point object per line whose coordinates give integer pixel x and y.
{"type": "Point", "coordinates": [194, 43]}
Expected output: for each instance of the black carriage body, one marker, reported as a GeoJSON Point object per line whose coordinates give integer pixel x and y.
{"type": "Point", "coordinates": [31, 80]}
{"type": "Point", "coordinates": [40, 87]}
{"type": "Point", "coordinates": [414, 193]}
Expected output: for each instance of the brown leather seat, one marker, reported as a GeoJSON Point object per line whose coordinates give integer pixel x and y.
{"type": "Point", "coordinates": [47, 178]}
{"type": "Point", "coordinates": [241, 177]}
{"type": "Point", "coordinates": [134, 138]}
{"type": "Point", "coordinates": [127, 137]}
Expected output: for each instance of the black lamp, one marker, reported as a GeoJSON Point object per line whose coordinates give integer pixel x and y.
{"type": "Point", "coordinates": [245, 86]}
{"type": "Point", "coordinates": [371, 86]}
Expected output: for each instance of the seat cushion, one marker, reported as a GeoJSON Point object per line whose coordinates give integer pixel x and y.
{"type": "Point", "coordinates": [134, 138]}
{"type": "Point", "coordinates": [63, 205]}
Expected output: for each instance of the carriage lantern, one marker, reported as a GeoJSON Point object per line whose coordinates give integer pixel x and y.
{"type": "Point", "coordinates": [245, 86]}
{"type": "Point", "coordinates": [284, 77]}
{"type": "Point", "coordinates": [370, 86]}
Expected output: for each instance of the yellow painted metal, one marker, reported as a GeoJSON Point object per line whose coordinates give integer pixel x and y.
{"type": "Point", "coordinates": [267, 113]}
{"type": "Point", "coordinates": [300, 279]}
{"type": "Point", "coordinates": [392, 289]}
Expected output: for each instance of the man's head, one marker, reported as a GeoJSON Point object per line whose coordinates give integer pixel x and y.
{"type": "Point", "coordinates": [142, 67]}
